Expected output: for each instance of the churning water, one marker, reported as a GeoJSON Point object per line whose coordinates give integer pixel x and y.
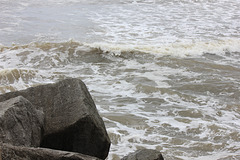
{"type": "Point", "coordinates": [164, 74]}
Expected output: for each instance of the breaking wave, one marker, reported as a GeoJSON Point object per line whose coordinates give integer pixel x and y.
{"type": "Point", "coordinates": [218, 47]}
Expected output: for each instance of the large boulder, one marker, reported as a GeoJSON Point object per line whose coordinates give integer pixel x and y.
{"type": "Point", "coordinates": [20, 122]}
{"type": "Point", "coordinates": [71, 120]}
{"type": "Point", "coordinates": [144, 154]}
{"type": "Point", "coordinates": [10, 152]}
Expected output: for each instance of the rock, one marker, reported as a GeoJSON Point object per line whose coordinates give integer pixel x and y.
{"type": "Point", "coordinates": [144, 154]}
{"type": "Point", "coordinates": [20, 122]}
{"type": "Point", "coordinates": [72, 122]}
{"type": "Point", "coordinates": [10, 152]}
{"type": "Point", "coordinates": [0, 153]}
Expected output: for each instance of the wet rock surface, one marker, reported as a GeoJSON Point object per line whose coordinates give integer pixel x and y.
{"type": "Point", "coordinates": [70, 119]}
{"type": "Point", "coordinates": [10, 152]}
{"type": "Point", "coordinates": [20, 122]}
{"type": "Point", "coordinates": [144, 154]}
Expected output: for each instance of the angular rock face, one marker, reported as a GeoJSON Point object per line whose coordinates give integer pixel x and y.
{"type": "Point", "coordinates": [20, 122]}
{"type": "Point", "coordinates": [83, 137]}
{"type": "Point", "coordinates": [10, 152]}
{"type": "Point", "coordinates": [71, 120]}
{"type": "Point", "coordinates": [144, 154]}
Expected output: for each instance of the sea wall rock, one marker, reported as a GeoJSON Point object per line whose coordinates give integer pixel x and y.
{"type": "Point", "coordinates": [71, 120]}
{"type": "Point", "coordinates": [20, 122]}
{"type": "Point", "coordinates": [144, 154]}
{"type": "Point", "coordinates": [10, 152]}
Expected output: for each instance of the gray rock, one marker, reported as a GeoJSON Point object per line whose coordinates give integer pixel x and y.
{"type": "Point", "coordinates": [20, 122]}
{"type": "Point", "coordinates": [72, 122]}
{"type": "Point", "coordinates": [10, 152]}
{"type": "Point", "coordinates": [144, 154]}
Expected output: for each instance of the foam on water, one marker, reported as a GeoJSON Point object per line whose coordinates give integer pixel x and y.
{"type": "Point", "coordinates": [119, 22]}
{"type": "Point", "coordinates": [167, 21]}
{"type": "Point", "coordinates": [168, 103]}
{"type": "Point", "coordinates": [175, 49]}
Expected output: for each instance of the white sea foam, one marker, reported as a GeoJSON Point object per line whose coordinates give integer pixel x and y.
{"type": "Point", "coordinates": [219, 47]}
{"type": "Point", "coordinates": [167, 21]}
{"type": "Point", "coordinates": [136, 93]}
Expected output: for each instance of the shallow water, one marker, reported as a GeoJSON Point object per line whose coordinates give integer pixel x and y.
{"type": "Point", "coordinates": [164, 75]}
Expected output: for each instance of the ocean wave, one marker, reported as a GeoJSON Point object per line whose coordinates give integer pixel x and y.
{"type": "Point", "coordinates": [187, 103]}
{"type": "Point", "coordinates": [10, 77]}
{"type": "Point", "coordinates": [13, 79]}
{"type": "Point", "coordinates": [181, 49]}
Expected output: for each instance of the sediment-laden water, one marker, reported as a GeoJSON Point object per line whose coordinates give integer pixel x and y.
{"type": "Point", "coordinates": [164, 74]}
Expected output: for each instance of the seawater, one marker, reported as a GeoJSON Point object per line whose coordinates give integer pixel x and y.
{"type": "Point", "coordinates": [164, 74]}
